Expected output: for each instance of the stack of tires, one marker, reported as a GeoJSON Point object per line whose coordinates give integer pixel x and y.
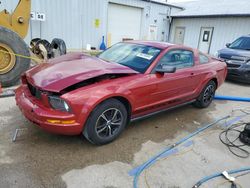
{"type": "Point", "coordinates": [46, 50]}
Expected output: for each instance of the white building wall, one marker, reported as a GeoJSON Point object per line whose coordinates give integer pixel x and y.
{"type": "Point", "coordinates": [74, 20]}
{"type": "Point", "coordinates": [226, 30]}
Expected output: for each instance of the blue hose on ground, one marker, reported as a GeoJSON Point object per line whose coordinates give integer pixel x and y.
{"type": "Point", "coordinates": [205, 179]}
{"type": "Point", "coordinates": [232, 98]}
{"type": "Point", "coordinates": [153, 159]}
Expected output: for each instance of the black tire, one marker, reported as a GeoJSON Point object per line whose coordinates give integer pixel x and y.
{"type": "Point", "coordinates": [99, 131]}
{"type": "Point", "coordinates": [33, 45]}
{"type": "Point", "coordinates": [206, 96]}
{"type": "Point", "coordinates": [59, 44]}
{"type": "Point", "coordinates": [18, 46]}
{"type": "Point", "coordinates": [33, 42]}
{"type": "Point", "coordinates": [46, 45]}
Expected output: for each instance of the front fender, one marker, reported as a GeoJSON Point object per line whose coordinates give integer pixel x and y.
{"type": "Point", "coordinates": [84, 100]}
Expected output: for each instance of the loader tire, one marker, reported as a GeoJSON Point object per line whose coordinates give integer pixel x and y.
{"type": "Point", "coordinates": [59, 44]}
{"type": "Point", "coordinates": [12, 66]}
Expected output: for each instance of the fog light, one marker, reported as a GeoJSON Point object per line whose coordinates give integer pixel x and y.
{"type": "Point", "coordinates": [68, 122]}
{"type": "Point", "coordinates": [54, 121]}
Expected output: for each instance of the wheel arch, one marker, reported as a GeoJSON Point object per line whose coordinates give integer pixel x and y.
{"type": "Point", "coordinates": [124, 100]}
{"type": "Point", "coordinates": [120, 98]}
{"type": "Point", "coordinates": [215, 81]}
{"type": "Point", "coordinates": [126, 103]}
{"type": "Point", "coordinates": [205, 82]}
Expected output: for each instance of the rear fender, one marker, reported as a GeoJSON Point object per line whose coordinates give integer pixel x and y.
{"type": "Point", "coordinates": [211, 76]}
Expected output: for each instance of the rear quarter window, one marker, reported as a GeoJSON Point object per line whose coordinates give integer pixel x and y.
{"type": "Point", "coordinates": [203, 58]}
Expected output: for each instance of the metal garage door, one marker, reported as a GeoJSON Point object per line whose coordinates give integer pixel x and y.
{"type": "Point", "coordinates": [124, 22]}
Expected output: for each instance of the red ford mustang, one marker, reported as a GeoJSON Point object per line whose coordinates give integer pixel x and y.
{"type": "Point", "coordinates": [97, 96]}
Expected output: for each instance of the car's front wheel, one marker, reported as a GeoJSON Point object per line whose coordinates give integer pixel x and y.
{"type": "Point", "coordinates": [206, 96]}
{"type": "Point", "coordinates": [106, 122]}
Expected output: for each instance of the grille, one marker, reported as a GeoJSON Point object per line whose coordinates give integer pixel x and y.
{"type": "Point", "coordinates": [34, 91]}
{"type": "Point", "coordinates": [235, 59]}
{"type": "Point", "coordinates": [225, 57]}
{"type": "Point", "coordinates": [233, 65]}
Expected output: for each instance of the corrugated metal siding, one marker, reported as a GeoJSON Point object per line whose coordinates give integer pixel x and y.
{"type": "Point", "coordinates": [61, 19]}
{"type": "Point", "coordinates": [73, 20]}
{"type": "Point", "coordinates": [225, 31]}
{"type": "Point", "coordinates": [155, 10]}
{"type": "Point", "coordinates": [89, 10]}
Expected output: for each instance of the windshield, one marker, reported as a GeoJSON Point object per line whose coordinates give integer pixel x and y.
{"type": "Point", "coordinates": [136, 56]}
{"type": "Point", "coordinates": [242, 43]}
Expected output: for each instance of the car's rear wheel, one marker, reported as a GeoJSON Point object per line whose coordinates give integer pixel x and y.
{"type": "Point", "coordinates": [106, 122]}
{"type": "Point", "coordinates": [206, 96]}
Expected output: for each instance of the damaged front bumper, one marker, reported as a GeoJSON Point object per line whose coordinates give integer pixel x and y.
{"type": "Point", "coordinates": [48, 119]}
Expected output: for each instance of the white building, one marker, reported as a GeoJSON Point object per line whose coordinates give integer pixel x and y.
{"type": "Point", "coordinates": [209, 24]}
{"type": "Point", "coordinates": [82, 22]}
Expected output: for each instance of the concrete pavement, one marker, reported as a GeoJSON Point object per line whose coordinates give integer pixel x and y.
{"type": "Point", "coordinates": [40, 159]}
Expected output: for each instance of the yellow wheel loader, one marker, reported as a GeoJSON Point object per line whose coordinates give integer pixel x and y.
{"type": "Point", "coordinates": [13, 29]}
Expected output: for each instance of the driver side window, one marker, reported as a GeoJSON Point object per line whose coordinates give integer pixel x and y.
{"type": "Point", "coordinates": [178, 58]}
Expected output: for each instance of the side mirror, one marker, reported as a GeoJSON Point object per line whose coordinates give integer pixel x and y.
{"type": "Point", "coordinates": [165, 69]}
{"type": "Point", "coordinates": [228, 44]}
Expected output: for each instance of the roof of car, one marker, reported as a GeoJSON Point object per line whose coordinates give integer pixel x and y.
{"type": "Point", "coordinates": [161, 45]}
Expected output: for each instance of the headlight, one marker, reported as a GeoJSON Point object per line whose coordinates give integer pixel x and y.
{"type": "Point", "coordinates": [216, 54]}
{"type": "Point", "coordinates": [58, 104]}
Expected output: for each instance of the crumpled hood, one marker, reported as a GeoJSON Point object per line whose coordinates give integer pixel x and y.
{"type": "Point", "coordinates": [67, 70]}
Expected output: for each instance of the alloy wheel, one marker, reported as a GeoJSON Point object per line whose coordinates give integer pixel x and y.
{"type": "Point", "coordinates": [209, 94]}
{"type": "Point", "coordinates": [109, 123]}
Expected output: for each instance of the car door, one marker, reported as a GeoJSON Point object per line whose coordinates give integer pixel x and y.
{"type": "Point", "coordinates": [157, 90]}
{"type": "Point", "coordinates": [177, 87]}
